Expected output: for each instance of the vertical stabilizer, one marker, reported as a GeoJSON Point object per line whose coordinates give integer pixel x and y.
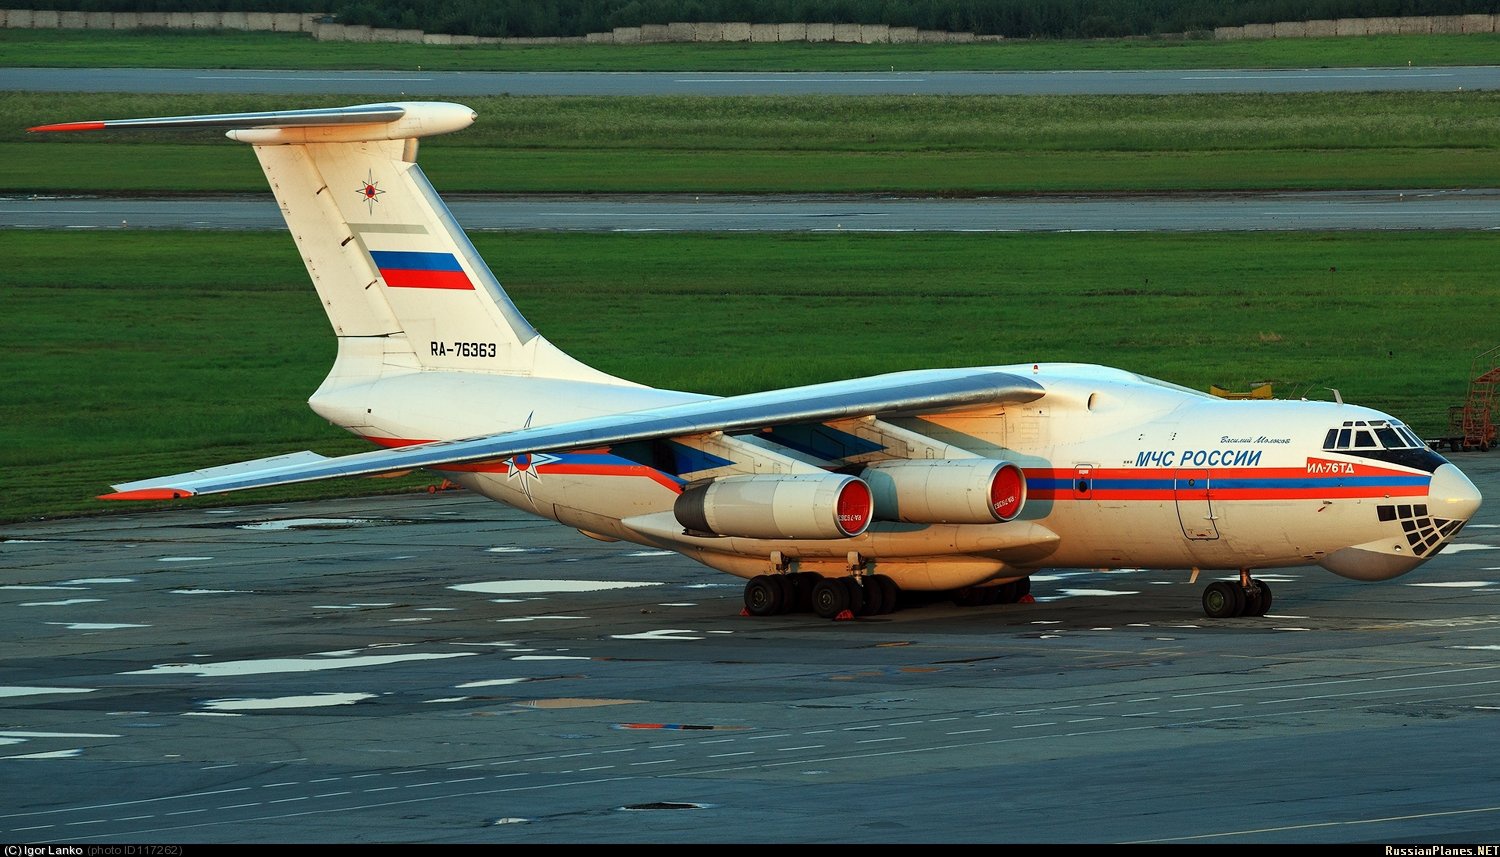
{"type": "Point", "coordinates": [402, 285]}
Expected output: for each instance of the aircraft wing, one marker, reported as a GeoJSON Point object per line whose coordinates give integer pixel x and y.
{"type": "Point", "coordinates": [914, 392]}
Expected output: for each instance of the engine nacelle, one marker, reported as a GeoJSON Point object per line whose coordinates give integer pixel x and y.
{"type": "Point", "coordinates": [787, 506]}
{"type": "Point", "coordinates": [947, 491]}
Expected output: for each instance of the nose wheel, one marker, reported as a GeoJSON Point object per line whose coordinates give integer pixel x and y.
{"type": "Point", "coordinates": [1246, 597]}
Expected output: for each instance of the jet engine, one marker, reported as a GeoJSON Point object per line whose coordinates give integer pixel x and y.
{"type": "Point", "coordinates": [786, 506]}
{"type": "Point", "coordinates": [947, 491]}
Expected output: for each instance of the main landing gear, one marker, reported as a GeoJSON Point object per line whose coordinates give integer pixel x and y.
{"type": "Point", "coordinates": [829, 597]}
{"type": "Point", "coordinates": [983, 596]}
{"type": "Point", "coordinates": [1248, 597]}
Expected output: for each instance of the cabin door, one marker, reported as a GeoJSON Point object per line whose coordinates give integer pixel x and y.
{"type": "Point", "coordinates": [1195, 508]}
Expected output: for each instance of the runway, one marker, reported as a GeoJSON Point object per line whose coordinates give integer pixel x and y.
{"type": "Point", "coordinates": [1393, 209]}
{"type": "Point", "coordinates": [415, 82]}
{"type": "Point", "coordinates": [437, 668]}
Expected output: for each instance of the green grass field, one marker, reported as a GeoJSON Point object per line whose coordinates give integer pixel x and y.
{"type": "Point", "coordinates": [132, 355]}
{"type": "Point", "coordinates": [905, 144]}
{"type": "Point", "coordinates": [229, 49]}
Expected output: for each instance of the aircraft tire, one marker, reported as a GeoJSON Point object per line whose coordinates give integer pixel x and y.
{"type": "Point", "coordinates": [875, 597]}
{"type": "Point", "coordinates": [890, 592]}
{"type": "Point", "coordinates": [788, 583]}
{"type": "Point", "coordinates": [764, 596]}
{"type": "Point", "coordinates": [1263, 601]}
{"type": "Point", "coordinates": [1222, 599]}
{"type": "Point", "coordinates": [857, 604]}
{"type": "Point", "coordinates": [802, 586]}
{"type": "Point", "coordinates": [976, 596]}
{"type": "Point", "coordinates": [830, 597]}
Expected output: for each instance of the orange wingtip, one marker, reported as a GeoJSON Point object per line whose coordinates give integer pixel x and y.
{"type": "Point", "coordinates": [149, 494]}
{"type": "Point", "coordinates": [70, 126]}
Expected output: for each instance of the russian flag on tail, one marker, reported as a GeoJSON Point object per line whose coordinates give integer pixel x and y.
{"type": "Point", "coordinates": [417, 270]}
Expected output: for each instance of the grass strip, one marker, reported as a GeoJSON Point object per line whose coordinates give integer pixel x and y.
{"type": "Point", "coordinates": [232, 49]}
{"type": "Point", "coordinates": [917, 144]}
{"type": "Point", "coordinates": [132, 358]}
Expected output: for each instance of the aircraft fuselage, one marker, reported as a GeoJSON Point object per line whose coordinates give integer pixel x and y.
{"type": "Point", "coordinates": [1120, 471]}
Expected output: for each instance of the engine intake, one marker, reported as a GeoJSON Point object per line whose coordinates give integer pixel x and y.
{"type": "Point", "coordinates": [788, 506]}
{"type": "Point", "coordinates": [947, 491]}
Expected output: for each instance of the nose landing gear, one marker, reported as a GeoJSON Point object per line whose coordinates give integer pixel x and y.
{"type": "Point", "coordinates": [1248, 597]}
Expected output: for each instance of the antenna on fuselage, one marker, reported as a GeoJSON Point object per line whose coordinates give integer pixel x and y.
{"type": "Point", "coordinates": [1337, 398]}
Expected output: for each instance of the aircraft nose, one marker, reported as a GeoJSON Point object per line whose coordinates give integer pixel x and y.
{"type": "Point", "coordinates": [1451, 495]}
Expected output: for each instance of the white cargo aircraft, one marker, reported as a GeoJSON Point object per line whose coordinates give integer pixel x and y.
{"type": "Point", "coordinates": [831, 497]}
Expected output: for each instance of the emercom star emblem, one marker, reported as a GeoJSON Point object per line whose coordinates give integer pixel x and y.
{"type": "Point", "coordinates": [370, 191]}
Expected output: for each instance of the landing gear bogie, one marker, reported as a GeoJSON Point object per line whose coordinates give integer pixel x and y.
{"type": "Point", "coordinates": [983, 596]}
{"type": "Point", "coordinates": [828, 597]}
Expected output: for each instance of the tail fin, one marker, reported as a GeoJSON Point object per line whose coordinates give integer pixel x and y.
{"type": "Point", "coordinates": [404, 289]}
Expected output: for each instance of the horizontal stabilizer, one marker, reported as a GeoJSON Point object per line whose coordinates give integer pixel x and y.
{"type": "Point", "coordinates": [393, 121]}
{"type": "Point", "coordinates": [915, 392]}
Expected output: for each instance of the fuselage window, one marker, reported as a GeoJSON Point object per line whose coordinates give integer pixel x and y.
{"type": "Point", "coordinates": [1333, 435]}
{"type": "Point", "coordinates": [1363, 439]}
{"type": "Point", "coordinates": [1343, 439]}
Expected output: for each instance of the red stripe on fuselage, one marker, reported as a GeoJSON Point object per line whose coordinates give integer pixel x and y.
{"type": "Point", "coordinates": [610, 470]}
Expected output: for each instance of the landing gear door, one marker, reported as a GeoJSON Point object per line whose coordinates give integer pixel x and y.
{"type": "Point", "coordinates": [1195, 504]}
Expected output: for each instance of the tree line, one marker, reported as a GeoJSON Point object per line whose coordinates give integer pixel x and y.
{"type": "Point", "coordinates": [1057, 19]}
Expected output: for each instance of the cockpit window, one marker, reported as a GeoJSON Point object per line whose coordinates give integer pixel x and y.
{"type": "Point", "coordinates": [1371, 434]}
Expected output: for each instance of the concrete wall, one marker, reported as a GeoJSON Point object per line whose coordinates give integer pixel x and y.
{"type": "Point", "coordinates": [1415, 25]}
{"type": "Point", "coordinates": [311, 22]}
